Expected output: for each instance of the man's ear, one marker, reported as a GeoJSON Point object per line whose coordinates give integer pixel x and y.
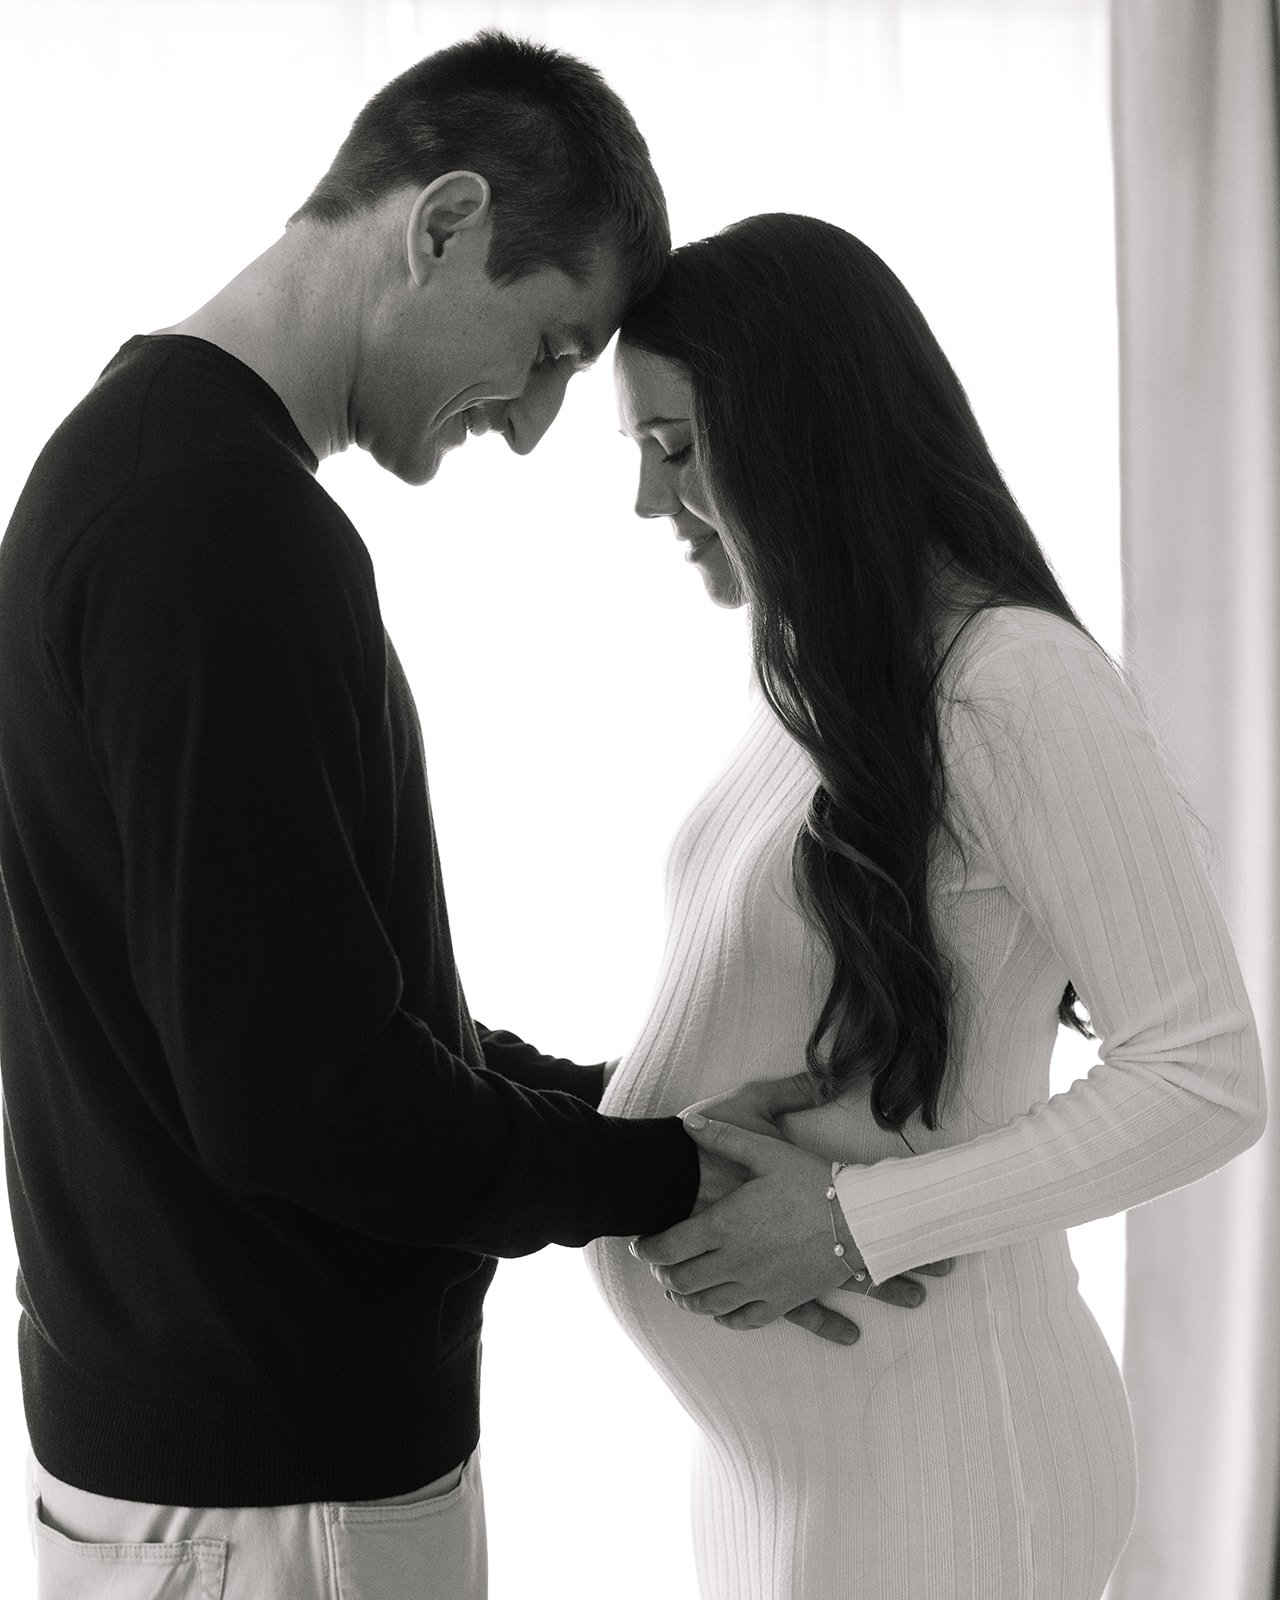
{"type": "Point", "coordinates": [454, 205]}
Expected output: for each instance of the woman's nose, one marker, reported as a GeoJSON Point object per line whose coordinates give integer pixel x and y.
{"type": "Point", "coordinates": [655, 495]}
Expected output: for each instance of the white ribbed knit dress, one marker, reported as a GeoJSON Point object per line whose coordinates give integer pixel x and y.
{"type": "Point", "coordinates": [978, 1447]}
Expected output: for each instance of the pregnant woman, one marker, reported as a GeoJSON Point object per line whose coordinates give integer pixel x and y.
{"type": "Point", "coordinates": [947, 831]}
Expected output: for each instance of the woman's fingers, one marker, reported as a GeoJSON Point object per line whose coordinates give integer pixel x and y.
{"type": "Point", "coordinates": [756, 1106]}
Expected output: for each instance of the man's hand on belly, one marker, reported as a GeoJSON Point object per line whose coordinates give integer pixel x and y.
{"type": "Point", "coordinates": [765, 1250]}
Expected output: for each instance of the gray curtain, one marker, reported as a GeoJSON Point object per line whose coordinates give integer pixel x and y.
{"type": "Point", "coordinates": [1198, 241]}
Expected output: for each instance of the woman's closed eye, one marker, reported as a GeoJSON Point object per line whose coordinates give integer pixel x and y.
{"type": "Point", "coordinates": [675, 458]}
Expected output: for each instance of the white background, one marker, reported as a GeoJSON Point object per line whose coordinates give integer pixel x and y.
{"type": "Point", "coordinates": [576, 688]}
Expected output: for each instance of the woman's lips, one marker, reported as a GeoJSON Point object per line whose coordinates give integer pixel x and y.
{"type": "Point", "coordinates": [698, 543]}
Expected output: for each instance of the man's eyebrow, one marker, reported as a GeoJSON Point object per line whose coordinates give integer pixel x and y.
{"type": "Point", "coordinates": [576, 339]}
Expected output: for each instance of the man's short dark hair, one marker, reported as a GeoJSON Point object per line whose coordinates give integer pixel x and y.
{"type": "Point", "coordinates": [568, 169]}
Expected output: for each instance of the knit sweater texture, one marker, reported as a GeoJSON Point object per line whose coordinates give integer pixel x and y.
{"type": "Point", "coordinates": [259, 1156]}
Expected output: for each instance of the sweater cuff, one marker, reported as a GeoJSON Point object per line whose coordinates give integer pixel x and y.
{"type": "Point", "coordinates": [655, 1172]}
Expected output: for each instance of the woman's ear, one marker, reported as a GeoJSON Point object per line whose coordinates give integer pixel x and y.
{"type": "Point", "coordinates": [457, 204]}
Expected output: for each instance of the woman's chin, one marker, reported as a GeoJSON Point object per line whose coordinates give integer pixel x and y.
{"type": "Point", "coordinates": [719, 579]}
{"type": "Point", "coordinates": [730, 598]}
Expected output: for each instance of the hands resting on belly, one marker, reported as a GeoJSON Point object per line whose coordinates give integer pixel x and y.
{"type": "Point", "coordinates": [759, 1243]}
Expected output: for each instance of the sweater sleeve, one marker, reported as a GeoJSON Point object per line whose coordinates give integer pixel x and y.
{"type": "Point", "coordinates": [509, 1055]}
{"type": "Point", "coordinates": [1055, 776]}
{"type": "Point", "coordinates": [226, 655]}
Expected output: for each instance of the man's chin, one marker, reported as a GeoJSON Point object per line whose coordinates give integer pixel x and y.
{"type": "Point", "coordinates": [414, 471]}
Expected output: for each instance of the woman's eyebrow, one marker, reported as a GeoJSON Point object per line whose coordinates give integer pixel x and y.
{"type": "Point", "coordinates": [648, 424]}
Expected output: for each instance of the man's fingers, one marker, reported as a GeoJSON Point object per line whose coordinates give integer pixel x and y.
{"type": "Point", "coordinates": [898, 1292]}
{"type": "Point", "coordinates": [757, 1314]}
{"type": "Point", "coordinates": [687, 1276]}
{"type": "Point", "coordinates": [722, 1303]}
{"type": "Point", "coordinates": [936, 1269]}
{"type": "Point", "coordinates": [683, 1242]}
{"type": "Point", "coordinates": [830, 1325]}
{"type": "Point", "coordinates": [717, 1301]}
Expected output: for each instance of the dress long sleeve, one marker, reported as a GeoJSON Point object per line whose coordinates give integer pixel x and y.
{"type": "Point", "coordinates": [1077, 844]}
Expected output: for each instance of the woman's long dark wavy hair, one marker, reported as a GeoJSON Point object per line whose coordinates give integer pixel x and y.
{"type": "Point", "coordinates": [841, 450]}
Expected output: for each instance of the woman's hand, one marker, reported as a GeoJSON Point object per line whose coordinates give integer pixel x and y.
{"type": "Point", "coordinates": [727, 1162]}
{"type": "Point", "coordinates": [758, 1106]}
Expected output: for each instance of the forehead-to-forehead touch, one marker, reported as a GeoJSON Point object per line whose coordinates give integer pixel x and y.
{"type": "Point", "coordinates": [591, 306]}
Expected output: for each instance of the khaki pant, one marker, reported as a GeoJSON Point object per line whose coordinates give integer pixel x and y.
{"type": "Point", "coordinates": [429, 1545]}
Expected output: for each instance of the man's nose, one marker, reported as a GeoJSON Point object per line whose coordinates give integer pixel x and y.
{"type": "Point", "coordinates": [527, 417]}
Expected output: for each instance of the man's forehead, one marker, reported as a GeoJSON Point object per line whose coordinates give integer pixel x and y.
{"type": "Point", "coordinates": [602, 298]}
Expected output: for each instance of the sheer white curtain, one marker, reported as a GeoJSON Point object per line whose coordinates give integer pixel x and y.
{"type": "Point", "coordinates": [576, 689]}
{"type": "Point", "coordinates": [1198, 209]}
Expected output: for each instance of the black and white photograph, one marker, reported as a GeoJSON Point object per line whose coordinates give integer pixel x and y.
{"type": "Point", "coordinates": [639, 786]}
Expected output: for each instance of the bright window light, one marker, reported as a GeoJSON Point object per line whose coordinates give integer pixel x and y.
{"type": "Point", "coordinates": [576, 688]}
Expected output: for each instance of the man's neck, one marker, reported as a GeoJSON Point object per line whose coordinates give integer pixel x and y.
{"type": "Point", "coordinates": [277, 318]}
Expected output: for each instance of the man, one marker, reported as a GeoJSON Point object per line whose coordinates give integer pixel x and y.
{"type": "Point", "coordinates": [260, 1156]}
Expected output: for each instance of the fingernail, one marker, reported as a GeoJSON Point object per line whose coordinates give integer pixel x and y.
{"type": "Point", "coordinates": [694, 1119]}
{"type": "Point", "coordinates": [851, 1336]}
{"type": "Point", "coordinates": [915, 1297]}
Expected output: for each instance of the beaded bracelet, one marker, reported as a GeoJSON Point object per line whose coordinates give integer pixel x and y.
{"type": "Point", "coordinates": [837, 1167]}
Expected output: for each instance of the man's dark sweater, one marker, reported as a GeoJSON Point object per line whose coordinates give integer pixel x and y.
{"type": "Point", "coordinates": [259, 1156]}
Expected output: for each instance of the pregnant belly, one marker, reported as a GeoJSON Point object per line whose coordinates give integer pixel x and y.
{"type": "Point", "coordinates": [969, 1376]}
{"type": "Point", "coordinates": [758, 1388]}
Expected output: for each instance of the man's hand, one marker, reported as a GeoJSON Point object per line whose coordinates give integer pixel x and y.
{"type": "Point", "coordinates": [719, 1178]}
{"type": "Point", "coordinates": [762, 1249]}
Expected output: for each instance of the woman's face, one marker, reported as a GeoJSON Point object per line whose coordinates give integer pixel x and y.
{"type": "Point", "coordinates": [655, 403]}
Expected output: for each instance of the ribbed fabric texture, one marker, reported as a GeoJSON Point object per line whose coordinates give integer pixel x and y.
{"type": "Point", "coordinates": [978, 1447]}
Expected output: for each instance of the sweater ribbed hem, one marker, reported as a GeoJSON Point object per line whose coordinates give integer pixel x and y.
{"type": "Point", "coordinates": [164, 1449]}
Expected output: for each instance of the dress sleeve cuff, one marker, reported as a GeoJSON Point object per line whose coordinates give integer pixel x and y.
{"type": "Point", "coordinates": [877, 1204]}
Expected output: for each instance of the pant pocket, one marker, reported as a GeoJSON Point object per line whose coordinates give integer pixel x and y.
{"type": "Point", "coordinates": [426, 1549]}
{"type": "Point", "coordinates": [73, 1569]}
